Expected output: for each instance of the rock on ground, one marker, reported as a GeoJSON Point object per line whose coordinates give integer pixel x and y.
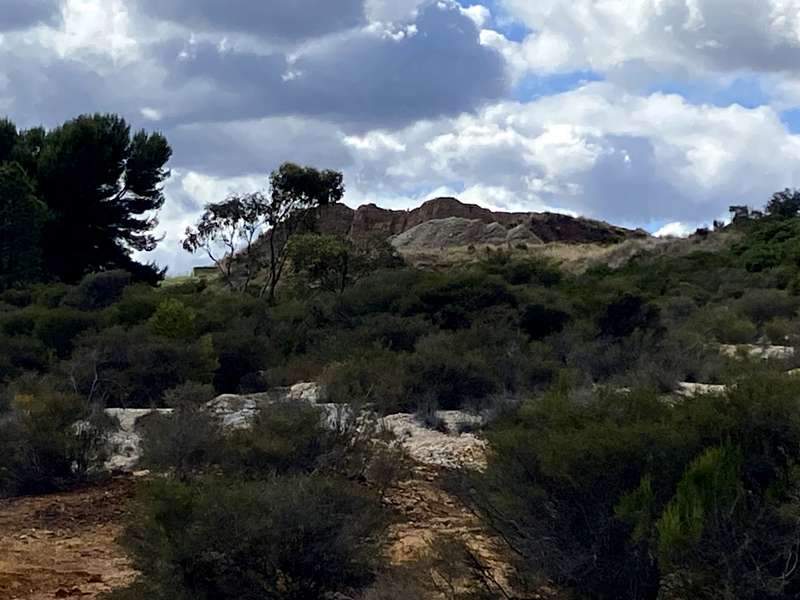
{"type": "Point", "coordinates": [756, 351]}
{"type": "Point", "coordinates": [454, 447]}
{"type": "Point", "coordinates": [435, 448]}
{"type": "Point", "coordinates": [125, 444]}
{"type": "Point", "coordinates": [459, 232]}
{"type": "Point", "coordinates": [692, 390]}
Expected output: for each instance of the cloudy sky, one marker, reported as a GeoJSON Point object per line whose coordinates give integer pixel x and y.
{"type": "Point", "coordinates": [654, 113]}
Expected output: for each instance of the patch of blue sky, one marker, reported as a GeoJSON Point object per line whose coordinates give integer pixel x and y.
{"type": "Point", "coordinates": [745, 91]}
{"type": "Point", "coordinates": [791, 118]}
{"type": "Point", "coordinates": [532, 87]}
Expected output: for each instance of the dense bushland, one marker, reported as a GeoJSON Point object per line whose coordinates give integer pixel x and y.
{"type": "Point", "coordinates": [599, 478]}
{"type": "Point", "coordinates": [290, 508]}
{"type": "Point", "coordinates": [614, 494]}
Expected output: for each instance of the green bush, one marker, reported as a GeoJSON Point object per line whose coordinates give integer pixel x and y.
{"type": "Point", "coordinates": [137, 305]}
{"type": "Point", "coordinates": [20, 354]}
{"type": "Point", "coordinates": [49, 441]}
{"type": "Point", "coordinates": [239, 353]}
{"type": "Point", "coordinates": [450, 372]}
{"type": "Point", "coordinates": [58, 328]}
{"type": "Point", "coordinates": [173, 320]}
{"type": "Point", "coordinates": [590, 488]}
{"type": "Point", "coordinates": [99, 290]}
{"type": "Point", "coordinates": [287, 538]}
{"type": "Point", "coordinates": [284, 438]}
{"type": "Point", "coordinates": [761, 306]}
{"type": "Point", "coordinates": [19, 298]}
{"type": "Point", "coordinates": [377, 378]}
{"type": "Point", "coordinates": [706, 497]}
{"type": "Point", "coordinates": [540, 321]}
{"type": "Point", "coordinates": [625, 315]}
{"type": "Point", "coordinates": [134, 368]}
{"type": "Point", "coordinates": [781, 331]}
{"type": "Point", "coordinates": [20, 322]}
{"type": "Point", "coordinates": [185, 443]}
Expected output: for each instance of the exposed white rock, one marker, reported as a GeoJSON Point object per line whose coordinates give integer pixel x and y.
{"type": "Point", "coordinates": [756, 351]}
{"type": "Point", "coordinates": [692, 390]}
{"type": "Point", "coordinates": [459, 232]}
{"type": "Point", "coordinates": [125, 444]}
{"type": "Point", "coordinates": [435, 448]}
{"type": "Point", "coordinates": [313, 393]}
{"type": "Point", "coordinates": [427, 446]}
{"type": "Point", "coordinates": [238, 412]}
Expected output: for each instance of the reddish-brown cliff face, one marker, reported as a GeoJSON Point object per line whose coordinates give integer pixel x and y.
{"type": "Point", "coordinates": [549, 227]}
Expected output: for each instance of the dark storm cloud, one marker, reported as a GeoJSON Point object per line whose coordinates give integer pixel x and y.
{"type": "Point", "coordinates": [442, 69]}
{"type": "Point", "coordinates": [20, 14]}
{"type": "Point", "coordinates": [627, 180]}
{"type": "Point", "coordinates": [44, 90]}
{"type": "Point", "coordinates": [235, 149]}
{"type": "Point", "coordinates": [289, 20]}
{"type": "Point", "coordinates": [362, 79]}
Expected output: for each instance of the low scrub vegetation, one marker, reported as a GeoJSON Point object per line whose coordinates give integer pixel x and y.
{"type": "Point", "coordinates": [613, 494]}
{"type": "Point", "coordinates": [600, 478]}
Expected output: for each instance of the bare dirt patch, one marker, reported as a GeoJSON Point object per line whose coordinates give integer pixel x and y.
{"type": "Point", "coordinates": [64, 545]}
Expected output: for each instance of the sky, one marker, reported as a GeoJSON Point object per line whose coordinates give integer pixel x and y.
{"type": "Point", "coordinates": [652, 113]}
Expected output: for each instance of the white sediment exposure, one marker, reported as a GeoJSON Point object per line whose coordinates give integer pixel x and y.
{"type": "Point", "coordinates": [757, 351]}
{"type": "Point", "coordinates": [452, 449]}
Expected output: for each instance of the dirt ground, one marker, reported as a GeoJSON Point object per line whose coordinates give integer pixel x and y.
{"type": "Point", "coordinates": [64, 545]}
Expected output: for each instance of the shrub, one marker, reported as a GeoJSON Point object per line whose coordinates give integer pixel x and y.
{"type": "Point", "coordinates": [99, 290]}
{"type": "Point", "coordinates": [50, 441]}
{"type": "Point", "coordinates": [452, 301]}
{"type": "Point", "coordinates": [625, 315]}
{"type": "Point", "coordinates": [134, 368]}
{"type": "Point", "coordinates": [284, 438]}
{"type": "Point", "coordinates": [761, 306]}
{"type": "Point", "coordinates": [450, 372]}
{"type": "Point", "coordinates": [729, 328]}
{"type": "Point", "coordinates": [526, 272]}
{"type": "Point", "coordinates": [239, 353]}
{"type": "Point", "coordinates": [376, 378]}
{"type": "Point", "coordinates": [685, 482]}
{"type": "Point", "coordinates": [189, 394]}
{"type": "Point", "coordinates": [299, 368]}
{"type": "Point", "coordinates": [58, 328]}
{"type": "Point", "coordinates": [285, 538]}
{"type": "Point", "coordinates": [50, 295]}
{"type": "Point", "coordinates": [705, 498]}
{"type": "Point", "coordinates": [184, 443]}
{"type": "Point", "coordinates": [137, 305]}
{"type": "Point", "coordinates": [19, 298]}
{"type": "Point", "coordinates": [539, 321]}
{"type": "Point", "coordinates": [21, 353]}
{"type": "Point", "coordinates": [781, 331]}
{"type": "Point", "coordinates": [173, 320]}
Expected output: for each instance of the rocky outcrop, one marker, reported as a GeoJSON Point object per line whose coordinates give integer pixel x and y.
{"type": "Point", "coordinates": [454, 448]}
{"type": "Point", "coordinates": [457, 231]}
{"type": "Point", "coordinates": [764, 352]}
{"type": "Point", "coordinates": [238, 412]}
{"type": "Point", "coordinates": [453, 445]}
{"type": "Point", "coordinates": [548, 227]}
{"type": "Point", "coordinates": [693, 390]}
{"type": "Point", "coordinates": [124, 445]}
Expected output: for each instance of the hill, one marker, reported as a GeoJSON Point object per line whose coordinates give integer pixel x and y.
{"type": "Point", "coordinates": [546, 227]}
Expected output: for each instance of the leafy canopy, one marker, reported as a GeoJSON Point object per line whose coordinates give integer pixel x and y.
{"type": "Point", "coordinates": [102, 186]}
{"type": "Point", "coordinates": [234, 225]}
